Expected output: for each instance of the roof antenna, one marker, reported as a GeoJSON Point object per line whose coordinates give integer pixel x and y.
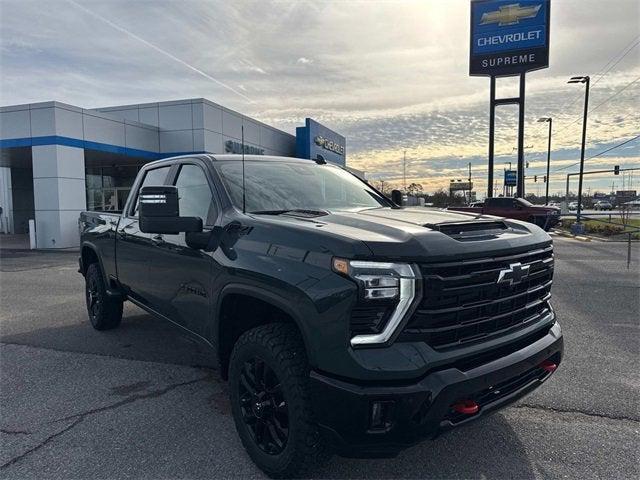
{"type": "Point", "coordinates": [244, 198]}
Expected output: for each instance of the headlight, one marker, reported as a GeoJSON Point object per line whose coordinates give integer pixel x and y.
{"type": "Point", "coordinates": [381, 282]}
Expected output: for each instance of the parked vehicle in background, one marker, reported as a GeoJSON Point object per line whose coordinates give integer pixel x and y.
{"type": "Point", "coordinates": [343, 322]}
{"type": "Point", "coordinates": [545, 217]}
{"type": "Point", "coordinates": [603, 205]}
{"type": "Point", "coordinates": [574, 206]}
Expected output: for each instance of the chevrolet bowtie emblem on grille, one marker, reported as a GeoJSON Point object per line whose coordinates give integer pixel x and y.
{"type": "Point", "coordinates": [509, 14]}
{"type": "Point", "coordinates": [514, 274]}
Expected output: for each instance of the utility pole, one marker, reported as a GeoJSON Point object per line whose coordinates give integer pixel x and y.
{"type": "Point", "coordinates": [469, 182]}
{"type": "Point", "coordinates": [404, 170]}
{"type": "Point", "coordinates": [549, 120]}
{"type": "Point", "coordinates": [520, 187]}
{"type": "Point", "coordinates": [582, 79]}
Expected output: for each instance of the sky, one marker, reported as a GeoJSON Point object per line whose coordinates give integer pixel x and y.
{"type": "Point", "coordinates": [392, 76]}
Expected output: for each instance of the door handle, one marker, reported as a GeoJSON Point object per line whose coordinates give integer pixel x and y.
{"type": "Point", "coordinates": [157, 239]}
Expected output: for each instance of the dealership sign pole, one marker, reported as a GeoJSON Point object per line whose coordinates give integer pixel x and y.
{"type": "Point", "coordinates": [508, 37]}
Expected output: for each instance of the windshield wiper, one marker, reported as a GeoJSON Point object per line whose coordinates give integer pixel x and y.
{"type": "Point", "coordinates": [299, 211]}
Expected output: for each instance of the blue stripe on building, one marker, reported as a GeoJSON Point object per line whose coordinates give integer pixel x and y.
{"type": "Point", "coordinates": [85, 144]}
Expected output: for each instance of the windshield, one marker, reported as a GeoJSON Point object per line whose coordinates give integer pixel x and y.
{"type": "Point", "coordinates": [275, 186]}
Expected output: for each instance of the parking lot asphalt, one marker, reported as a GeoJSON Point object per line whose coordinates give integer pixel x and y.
{"type": "Point", "coordinates": [144, 401]}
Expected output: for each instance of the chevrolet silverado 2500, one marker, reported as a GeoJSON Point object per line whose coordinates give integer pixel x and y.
{"type": "Point", "coordinates": [343, 322]}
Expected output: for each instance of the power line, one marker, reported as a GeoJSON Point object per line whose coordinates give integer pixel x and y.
{"type": "Point", "coordinates": [614, 95]}
{"type": "Point", "coordinates": [602, 72]}
{"type": "Point", "coordinates": [619, 60]}
{"type": "Point", "coordinates": [614, 147]}
{"type": "Point", "coordinates": [599, 154]}
{"type": "Point", "coordinates": [600, 104]}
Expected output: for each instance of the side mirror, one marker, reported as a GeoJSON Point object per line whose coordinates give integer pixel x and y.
{"type": "Point", "coordinates": [396, 197]}
{"type": "Point", "coordinates": [159, 212]}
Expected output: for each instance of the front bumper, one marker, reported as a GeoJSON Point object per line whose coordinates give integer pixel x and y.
{"type": "Point", "coordinates": [423, 409]}
{"type": "Point", "coordinates": [553, 220]}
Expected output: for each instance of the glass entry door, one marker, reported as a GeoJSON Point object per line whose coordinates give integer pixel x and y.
{"type": "Point", "coordinates": [107, 199]}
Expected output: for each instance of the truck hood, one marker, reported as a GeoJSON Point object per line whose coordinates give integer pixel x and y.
{"type": "Point", "coordinates": [416, 233]}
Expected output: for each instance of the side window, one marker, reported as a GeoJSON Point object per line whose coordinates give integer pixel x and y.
{"type": "Point", "coordinates": [194, 193]}
{"type": "Point", "coordinates": [157, 176]}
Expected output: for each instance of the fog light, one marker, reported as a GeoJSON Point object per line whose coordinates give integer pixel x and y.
{"type": "Point", "coordinates": [381, 415]}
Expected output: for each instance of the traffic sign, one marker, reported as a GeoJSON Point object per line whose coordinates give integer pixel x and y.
{"type": "Point", "coordinates": [510, 178]}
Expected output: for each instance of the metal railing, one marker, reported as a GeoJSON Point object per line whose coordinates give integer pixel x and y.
{"type": "Point", "coordinates": [628, 230]}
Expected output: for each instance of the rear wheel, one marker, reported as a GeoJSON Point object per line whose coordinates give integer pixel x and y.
{"type": "Point", "coordinates": [104, 311]}
{"type": "Point", "coordinates": [268, 379]}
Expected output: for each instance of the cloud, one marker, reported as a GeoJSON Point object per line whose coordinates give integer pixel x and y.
{"type": "Point", "coordinates": [391, 76]}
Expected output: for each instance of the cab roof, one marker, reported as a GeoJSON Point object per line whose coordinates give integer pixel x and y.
{"type": "Point", "coordinates": [232, 157]}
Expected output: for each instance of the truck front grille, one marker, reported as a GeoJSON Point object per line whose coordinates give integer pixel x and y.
{"type": "Point", "coordinates": [464, 303]}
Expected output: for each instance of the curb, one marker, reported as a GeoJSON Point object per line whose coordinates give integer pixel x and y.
{"type": "Point", "coordinates": [582, 238]}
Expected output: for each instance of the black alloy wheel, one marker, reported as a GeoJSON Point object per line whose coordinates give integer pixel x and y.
{"type": "Point", "coordinates": [271, 401]}
{"type": "Point", "coordinates": [105, 312]}
{"type": "Point", "coordinates": [264, 408]}
{"type": "Point", "coordinates": [94, 298]}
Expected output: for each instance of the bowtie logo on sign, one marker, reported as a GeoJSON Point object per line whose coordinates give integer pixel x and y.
{"type": "Point", "coordinates": [509, 14]}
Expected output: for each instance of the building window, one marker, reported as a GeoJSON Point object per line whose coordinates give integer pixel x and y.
{"type": "Point", "coordinates": [108, 187]}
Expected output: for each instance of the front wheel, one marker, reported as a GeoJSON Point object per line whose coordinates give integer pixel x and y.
{"type": "Point", "coordinates": [270, 400]}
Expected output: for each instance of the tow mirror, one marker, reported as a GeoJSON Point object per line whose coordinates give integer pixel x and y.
{"type": "Point", "coordinates": [159, 212]}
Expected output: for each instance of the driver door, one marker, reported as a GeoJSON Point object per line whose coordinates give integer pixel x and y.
{"type": "Point", "coordinates": [133, 247]}
{"type": "Point", "coordinates": [182, 276]}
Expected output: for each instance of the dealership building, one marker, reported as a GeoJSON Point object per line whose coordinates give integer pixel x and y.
{"type": "Point", "coordinates": [58, 160]}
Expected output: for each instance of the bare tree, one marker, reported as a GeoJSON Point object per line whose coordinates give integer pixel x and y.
{"type": "Point", "coordinates": [414, 189]}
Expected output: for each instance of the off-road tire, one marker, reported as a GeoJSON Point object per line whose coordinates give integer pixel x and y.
{"type": "Point", "coordinates": [105, 312]}
{"type": "Point", "coordinates": [281, 348]}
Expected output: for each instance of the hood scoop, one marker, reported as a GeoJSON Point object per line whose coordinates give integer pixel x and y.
{"type": "Point", "coordinates": [470, 230]}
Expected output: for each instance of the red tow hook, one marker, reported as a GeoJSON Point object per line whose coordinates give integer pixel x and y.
{"type": "Point", "coordinates": [467, 407]}
{"type": "Point", "coordinates": [548, 366]}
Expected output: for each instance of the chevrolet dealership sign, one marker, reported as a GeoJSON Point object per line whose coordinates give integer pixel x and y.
{"type": "Point", "coordinates": [509, 37]}
{"type": "Point", "coordinates": [329, 145]}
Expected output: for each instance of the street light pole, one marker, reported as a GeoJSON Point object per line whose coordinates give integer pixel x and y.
{"type": "Point", "coordinates": [584, 79]}
{"type": "Point", "coordinates": [549, 120]}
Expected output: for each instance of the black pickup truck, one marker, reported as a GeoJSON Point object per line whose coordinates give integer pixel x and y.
{"type": "Point", "coordinates": [343, 322]}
